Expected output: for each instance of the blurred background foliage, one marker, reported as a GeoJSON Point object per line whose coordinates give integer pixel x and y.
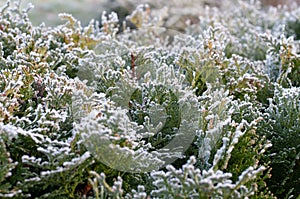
{"type": "Point", "coordinates": [84, 10]}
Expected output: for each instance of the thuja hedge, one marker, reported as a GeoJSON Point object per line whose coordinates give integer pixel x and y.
{"type": "Point", "coordinates": [236, 70]}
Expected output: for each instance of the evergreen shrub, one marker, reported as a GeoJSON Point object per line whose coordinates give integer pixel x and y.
{"type": "Point", "coordinates": [210, 110]}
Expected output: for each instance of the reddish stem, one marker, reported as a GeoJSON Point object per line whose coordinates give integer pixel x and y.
{"type": "Point", "coordinates": [132, 64]}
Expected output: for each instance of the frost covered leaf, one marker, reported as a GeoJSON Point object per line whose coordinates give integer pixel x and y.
{"type": "Point", "coordinates": [284, 114]}
{"type": "Point", "coordinates": [190, 182]}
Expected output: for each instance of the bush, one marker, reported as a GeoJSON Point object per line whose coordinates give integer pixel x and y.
{"type": "Point", "coordinates": [92, 112]}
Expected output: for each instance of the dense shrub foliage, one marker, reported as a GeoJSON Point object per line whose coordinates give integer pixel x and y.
{"type": "Point", "coordinates": [207, 110]}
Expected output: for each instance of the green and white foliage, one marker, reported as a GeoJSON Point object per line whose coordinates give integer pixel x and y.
{"type": "Point", "coordinates": [191, 182]}
{"type": "Point", "coordinates": [284, 116]}
{"type": "Point", "coordinates": [206, 110]}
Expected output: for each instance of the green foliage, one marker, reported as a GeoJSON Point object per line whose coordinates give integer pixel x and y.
{"type": "Point", "coordinates": [284, 135]}
{"type": "Point", "coordinates": [190, 182]}
{"type": "Point", "coordinates": [5, 172]}
{"type": "Point", "coordinates": [89, 112]}
{"type": "Point", "coordinates": [162, 97]}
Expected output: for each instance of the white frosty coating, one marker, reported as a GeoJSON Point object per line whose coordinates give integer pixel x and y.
{"type": "Point", "coordinates": [11, 195]}
{"type": "Point", "coordinates": [10, 130]}
{"type": "Point", "coordinates": [67, 165]}
{"type": "Point", "coordinates": [218, 117]}
{"type": "Point", "coordinates": [188, 181]}
{"type": "Point", "coordinates": [48, 173]}
{"type": "Point", "coordinates": [158, 74]}
{"type": "Point", "coordinates": [78, 160]}
{"type": "Point", "coordinates": [33, 179]}
{"type": "Point", "coordinates": [220, 151]}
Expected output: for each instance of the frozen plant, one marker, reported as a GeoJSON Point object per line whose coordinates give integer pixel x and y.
{"type": "Point", "coordinates": [207, 109]}
{"type": "Point", "coordinates": [283, 131]}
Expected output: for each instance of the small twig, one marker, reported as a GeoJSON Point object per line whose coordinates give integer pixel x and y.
{"type": "Point", "coordinates": [132, 65]}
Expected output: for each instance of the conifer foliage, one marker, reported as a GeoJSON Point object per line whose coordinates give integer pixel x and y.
{"type": "Point", "coordinates": [211, 110]}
